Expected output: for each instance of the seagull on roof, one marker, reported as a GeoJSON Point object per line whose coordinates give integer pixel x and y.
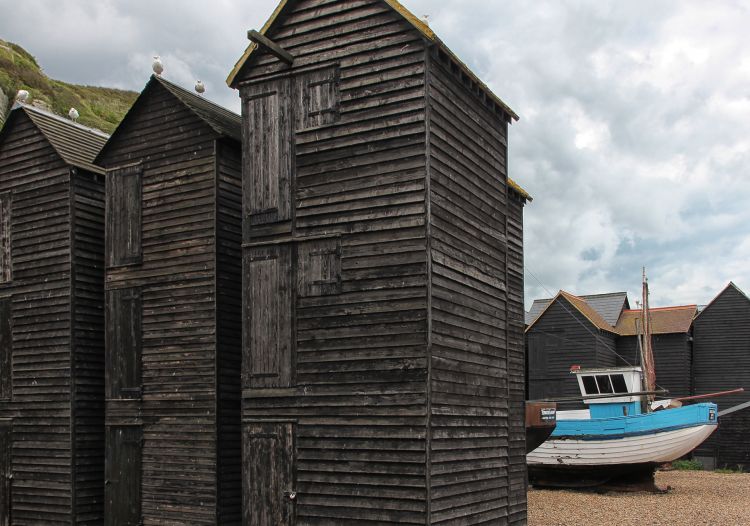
{"type": "Point", "coordinates": [200, 87]}
{"type": "Point", "coordinates": [157, 66]}
{"type": "Point", "coordinates": [22, 95]}
{"type": "Point", "coordinates": [73, 114]}
{"type": "Point", "coordinates": [426, 20]}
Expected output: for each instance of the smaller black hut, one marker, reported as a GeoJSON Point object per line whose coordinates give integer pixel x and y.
{"type": "Point", "coordinates": [721, 361]}
{"type": "Point", "coordinates": [173, 309]}
{"type": "Point", "coordinates": [51, 321]}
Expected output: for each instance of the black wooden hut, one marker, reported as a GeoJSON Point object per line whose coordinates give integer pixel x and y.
{"type": "Point", "coordinates": [569, 331]}
{"type": "Point", "coordinates": [382, 356]}
{"type": "Point", "coordinates": [51, 321]}
{"type": "Point", "coordinates": [672, 345]}
{"type": "Point", "coordinates": [721, 361]}
{"type": "Point", "coordinates": [173, 307]}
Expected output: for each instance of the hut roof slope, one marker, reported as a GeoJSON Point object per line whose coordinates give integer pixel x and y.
{"type": "Point", "coordinates": [666, 320]}
{"type": "Point", "coordinates": [222, 120]}
{"type": "Point", "coordinates": [418, 24]}
{"type": "Point", "coordinates": [731, 285]}
{"type": "Point", "coordinates": [608, 306]}
{"type": "Point", "coordinates": [580, 304]}
{"type": "Point", "coordinates": [76, 144]}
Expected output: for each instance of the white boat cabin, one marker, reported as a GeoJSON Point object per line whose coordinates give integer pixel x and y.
{"type": "Point", "coordinates": [604, 386]}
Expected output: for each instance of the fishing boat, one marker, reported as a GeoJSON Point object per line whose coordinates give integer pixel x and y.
{"type": "Point", "coordinates": [624, 433]}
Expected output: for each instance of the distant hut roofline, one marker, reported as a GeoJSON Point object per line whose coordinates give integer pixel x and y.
{"type": "Point", "coordinates": [582, 307]}
{"type": "Point", "coordinates": [731, 284]}
{"type": "Point", "coordinates": [418, 24]}
{"type": "Point", "coordinates": [76, 144]}
{"type": "Point", "coordinates": [665, 320]}
{"type": "Point", "coordinates": [223, 121]}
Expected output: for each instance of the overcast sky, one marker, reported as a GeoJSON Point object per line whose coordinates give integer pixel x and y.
{"type": "Point", "coordinates": [634, 136]}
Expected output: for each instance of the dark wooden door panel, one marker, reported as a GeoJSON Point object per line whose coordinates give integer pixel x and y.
{"type": "Point", "coordinates": [5, 472]}
{"type": "Point", "coordinates": [124, 216]}
{"type": "Point", "coordinates": [268, 472]}
{"type": "Point", "coordinates": [123, 345]}
{"type": "Point", "coordinates": [268, 156]}
{"type": "Point", "coordinates": [6, 350]}
{"type": "Point", "coordinates": [122, 492]}
{"type": "Point", "coordinates": [268, 354]}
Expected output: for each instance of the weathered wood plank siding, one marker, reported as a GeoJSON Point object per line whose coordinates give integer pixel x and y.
{"type": "Point", "coordinates": [721, 361]}
{"type": "Point", "coordinates": [187, 279]}
{"type": "Point", "coordinates": [516, 359]}
{"type": "Point", "coordinates": [560, 338]}
{"type": "Point", "coordinates": [54, 304]}
{"type": "Point", "coordinates": [346, 318]}
{"type": "Point", "coordinates": [355, 260]}
{"type": "Point", "coordinates": [470, 477]}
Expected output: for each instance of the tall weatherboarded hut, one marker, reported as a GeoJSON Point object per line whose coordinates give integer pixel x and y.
{"type": "Point", "coordinates": [721, 361]}
{"type": "Point", "coordinates": [383, 300]}
{"type": "Point", "coordinates": [51, 321]}
{"type": "Point", "coordinates": [173, 306]}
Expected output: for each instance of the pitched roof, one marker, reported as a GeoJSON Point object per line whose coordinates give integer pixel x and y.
{"type": "Point", "coordinates": [419, 25]}
{"type": "Point", "coordinates": [222, 120]}
{"type": "Point", "coordinates": [580, 305]}
{"type": "Point", "coordinates": [608, 306]}
{"type": "Point", "coordinates": [731, 285]}
{"type": "Point", "coordinates": [76, 144]}
{"type": "Point", "coordinates": [665, 320]}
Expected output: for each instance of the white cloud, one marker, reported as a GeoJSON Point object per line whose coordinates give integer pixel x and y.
{"type": "Point", "coordinates": [635, 116]}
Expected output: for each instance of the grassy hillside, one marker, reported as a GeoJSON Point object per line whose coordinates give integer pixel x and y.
{"type": "Point", "coordinates": [101, 108]}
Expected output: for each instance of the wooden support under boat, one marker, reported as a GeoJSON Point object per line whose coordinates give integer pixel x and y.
{"type": "Point", "coordinates": [270, 45]}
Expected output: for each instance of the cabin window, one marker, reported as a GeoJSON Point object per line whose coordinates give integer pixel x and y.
{"type": "Point", "coordinates": [123, 211]}
{"type": "Point", "coordinates": [618, 383]}
{"type": "Point", "coordinates": [318, 98]}
{"type": "Point", "coordinates": [319, 268]}
{"type": "Point", "coordinates": [589, 385]}
{"type": "Point", "coordinates": [6, 264]}
{"type": "Point", "coordinates": [6, 350]}
{"type": "Point", "coordinates": [123, 344]}
{"type": "Point", "coordinates": [602, 381]}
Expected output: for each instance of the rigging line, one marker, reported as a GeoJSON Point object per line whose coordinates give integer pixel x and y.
{"type": "Point", "coordinates": [596, 336]}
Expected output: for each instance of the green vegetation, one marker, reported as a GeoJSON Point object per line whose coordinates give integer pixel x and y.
{"type": "Point", "coordinates": [687, 465]}
{"type": "Point", "coordinates": [101, 108]}
{"type": "Point", "coordinates": [727, 470]}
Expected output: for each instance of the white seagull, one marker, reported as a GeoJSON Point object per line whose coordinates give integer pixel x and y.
{"type": "Point", "coordinates": [157, 66]}
{"type": "Point", "coordinates": [200, 87]}
{"type": "Point", "coordinates": [22, 95]}
{"type": "Point", "coordinates": [73, 114]}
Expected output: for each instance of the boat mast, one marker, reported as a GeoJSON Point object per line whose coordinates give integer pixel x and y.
{"type": "Point", "coordinates": [647, 354]}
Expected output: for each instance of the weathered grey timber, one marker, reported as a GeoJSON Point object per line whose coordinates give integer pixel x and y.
{"type": "Point", "coordinates": [51, 321]}
{"type": "Point", "coordinates": [173, 303]}
{"type": "Point", "coordinates": [383, 283]}
{"type": "Point", "coordinates": [721, 361]}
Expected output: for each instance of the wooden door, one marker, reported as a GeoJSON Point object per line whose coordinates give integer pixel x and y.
{"type": "Point", "coordinates": [5, 472]}
{"type": "Point", "coordinates": [268, 354]}
{"type": "Point", "coordinates": [123, 344]}
{"type": "Point", "coordinates": [267, 152]}
{"type": "Point", "coordinates": [268, 474]}
{"type": "Point", "coordinates": [122, 486]}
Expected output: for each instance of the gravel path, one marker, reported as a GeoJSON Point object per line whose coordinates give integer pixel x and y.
{"type": "Point", "coordinates": [696, 498]}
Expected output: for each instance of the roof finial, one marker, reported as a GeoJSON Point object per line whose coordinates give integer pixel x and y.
{"type": "Point", "coordinates": [22, 96]}
{"type": "Point", "coordinates": [73, 114]}
{"type": "Point", "coordinates": [200, 88]}
{"type": "Point", "coordinates": [157, 66]}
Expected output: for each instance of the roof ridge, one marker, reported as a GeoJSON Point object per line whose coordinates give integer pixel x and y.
{"type": "Point", "coordinates": [195, 96]}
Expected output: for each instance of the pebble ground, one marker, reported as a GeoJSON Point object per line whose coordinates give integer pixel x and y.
{"type": "Point", "coordinates": [696, 498]}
